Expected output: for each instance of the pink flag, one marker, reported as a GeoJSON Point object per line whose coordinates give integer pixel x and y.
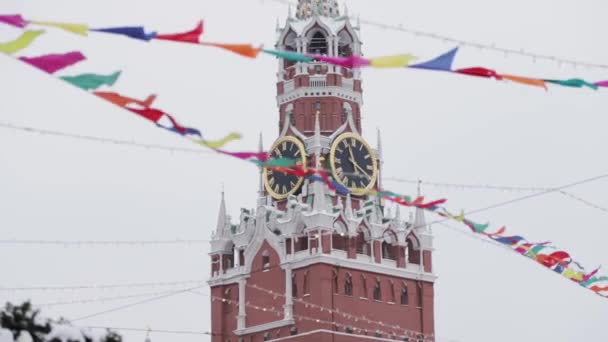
{"type": "Point", "coordinates": [602, 84]}
{"type": "Point", "coordinates": [54, 62]}
{"type": "Point", "coordinates": [13, 20]}
{"type": "Point", "coordinates": [347, 62]}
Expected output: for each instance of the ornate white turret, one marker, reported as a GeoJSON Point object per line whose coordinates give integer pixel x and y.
{"type": "Point", "coordinates": [309, 8]}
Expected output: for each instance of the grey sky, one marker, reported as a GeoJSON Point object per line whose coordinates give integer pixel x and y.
{"type": "Point", "coordinates": [437, 127]}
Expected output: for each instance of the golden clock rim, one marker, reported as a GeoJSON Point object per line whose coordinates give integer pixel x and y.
{"type": "Point", "coordinates": [302, 148]}
{"type": "Point", "coordinates": [332, 155]}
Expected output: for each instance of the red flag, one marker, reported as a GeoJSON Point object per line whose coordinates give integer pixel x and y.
{"type": "Point", "coordinates": [193, 36]}
{"type": "Point", "coordinates": [479, 72]}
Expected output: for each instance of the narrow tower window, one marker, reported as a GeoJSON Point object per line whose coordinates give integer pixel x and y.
{"type": "Point", "coordinates": [404, 295]}
{"type": "Point", "coordinates": [364, 286]}
{"type": "Point", "coordinates": [294, 285]}
{"type": "Point", "coordinates": [318, 44]}
{"type": "Point", "coordinates": [265, 260]}
{"type": "Point", "coordinates": [377, 291]}
{"type": "Point", "coordinates": [336, 285]}
{"type": "Point", "coordinates": [306, 285]}
{"type": "Point", "coordinates": [348, 285]}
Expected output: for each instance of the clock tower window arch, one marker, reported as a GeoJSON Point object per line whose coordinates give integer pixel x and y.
{"type": "Point", "coordinates": [318, 43]}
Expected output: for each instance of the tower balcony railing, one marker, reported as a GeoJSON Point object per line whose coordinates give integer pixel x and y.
{"type": "Point", "coordinates": [318, 81]}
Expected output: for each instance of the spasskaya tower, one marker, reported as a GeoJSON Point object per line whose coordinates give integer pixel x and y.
{"type": "Point", "coordinates": [310, 263]}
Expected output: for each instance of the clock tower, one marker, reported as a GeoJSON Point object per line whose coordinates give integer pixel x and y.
{"type": "Point", "coordinates": [310, 263]}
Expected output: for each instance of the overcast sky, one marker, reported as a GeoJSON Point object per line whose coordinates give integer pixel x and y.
{"type": "Point", "coordinates": [436, 127]}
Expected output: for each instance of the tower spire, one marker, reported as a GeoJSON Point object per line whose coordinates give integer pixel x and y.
{"type": "Point", "coordinates": [419, 220]}
{"type": "Point", "coordinates": [221, 216]}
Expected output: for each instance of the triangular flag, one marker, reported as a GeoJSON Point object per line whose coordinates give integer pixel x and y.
{"type": "Point", "coordinates": [193, 36]}
{"type": "Point", "coordinates": [479, 72]}
{"type": "Point", "coordinates": [122, 101]}
{"type": "Point", "coordinates": [54, 62]}
{"type": "Point", "coordinates": [602, 84]}
{"type": "Point", "coordinates": [290, 55]}
{"type": "Point", "coordinates": [526, 80]}
{"type": "Point", "coordinates": [13, 20]}
{"type": "Point", "coordinates": [347, 62]}
{"type": "Point", "coordinates": [81, 29]}
{"type": "Point", "coordinates": [135, 32]}
{"type": "Point", "coordinates": [398, 61]}
{"type": "Point", "coordinates": [245, 50]}
{"type": "Point", "coordinates": [574, 83]}
{"type": "Point", "coordinates": [217, 144]}
{"type": "Point", "coordinates": [441, 63]}
{"type": "Point", "coordinates": [20, 43]}
{"type": "Point", "coordinates": [92, 81]}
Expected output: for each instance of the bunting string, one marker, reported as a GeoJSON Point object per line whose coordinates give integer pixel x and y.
{"type": "Point", "coordinates": [543, 253]}
{"type": "Point", "coordinates": [440, 63]}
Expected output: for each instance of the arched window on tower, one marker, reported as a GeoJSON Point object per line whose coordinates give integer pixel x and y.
{"type": "Point", "coordinates": [393, 294]}
{"type": "Point", "coordinates": [405, 299]}
{"type": "Point", "coordinates": [294, 285]}
{"type": "Point", "coordinates": [290, 46]}
{"type": "Point", "coordinates": [306, 286]}
{"type": "Point", "coordinates": [348, 285]}
{"type": "Point", "coordinates": [377, 290]}
{"type": "Point", "coordinates": [335, 282]}
{"type": "Point", "coordinates": [265, 260]}
{"type": "Point", "coordinates": [345, 44]}
{"type": "Point", "coordinates": [318, 44]}
{"type": "Point", "coordinates": [364, 286]}
{"type": "Point", "coordinates": [363, 246]}
{"type": "Point", "coordinates": [388, 249]}
{"type": "Point", "coordinates": [412, 255]}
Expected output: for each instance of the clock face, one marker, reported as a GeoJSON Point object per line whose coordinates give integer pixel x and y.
{"type": "Point", "coordinates": [280, 185]}
{"type": "Point", "coordinates": [353, 163]}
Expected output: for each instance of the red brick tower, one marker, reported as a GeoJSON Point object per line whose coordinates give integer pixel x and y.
{"type": "Point", "coordinates": [309, 263]}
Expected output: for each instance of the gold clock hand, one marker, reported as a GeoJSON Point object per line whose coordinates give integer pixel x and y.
{"type": "Point", "coordinates": [365, 173]}
{"type": "Point", "coordinates": [352, 159]}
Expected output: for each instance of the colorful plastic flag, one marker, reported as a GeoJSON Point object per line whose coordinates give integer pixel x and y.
{"type": "Point", "coordinates": [526, 80]}
{"type": "Point", "coordinates": [479, 72]}
{"type": "Point", "coordinates": [13, 20]}
{"type": "Point", "coordinates": [347, 62]}
{"type": "Point", "coordinates": [24, 40]}
{"type": "Point", "coordinates": [397, 61]}
{"type": "Point", "coordinates": [81, 29]}
{"type": "Point", "coordinates": [602, 84]}
{"type": "Point", "coordinates": [54, 62]}
{"type": "Point", "coordinates": [135, 32]}
{"type": "Point", "coordinates": [441, 63]}
{"type": "Point", "coordinates": [290, 55]}
{"type": "Point", "coordinates": [123, 101]}
{"type": "Point", "coordinates": [192, 36]}
{"type": "Point", "coordinates": [260, 156]}
{"type": "Point", "coordinates": [92, 81]}
{"type": "Point", "coordinates": [574, 83]}
{"type": "Point", "coordinates": [246, 50]}
{"type": "Point", "coordinates": [217, 144]}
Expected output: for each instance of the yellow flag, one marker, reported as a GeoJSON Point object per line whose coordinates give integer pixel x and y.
{"type": "Point", "coordinates": [81, 29]}
{"type": "Point", "coordinates": [217, 144]}
{"type": "Point", "coordinates": [397, 61]}
{"type": "Point", "coordinates": [20, 43]}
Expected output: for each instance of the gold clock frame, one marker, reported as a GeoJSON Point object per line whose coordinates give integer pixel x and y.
{"type": "Point", "coordinates": [302, 150]}
{"type": "Point", "coordinates": [332, 161]}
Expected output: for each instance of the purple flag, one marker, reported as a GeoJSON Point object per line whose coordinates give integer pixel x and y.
{"type": "Point", "coordinates": [135, 32]}
{"type": "Point", "coordinates": [54, 62]}
{"type": "Point", "coordinates": [441, 63]}
{"type": "Point", "coordinates": [13, 20]}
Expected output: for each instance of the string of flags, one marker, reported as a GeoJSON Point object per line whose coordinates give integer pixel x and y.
{"type": "Point", "coordinates": [441, 63]}
{"type": "Point", "coordinates": [544, 253]}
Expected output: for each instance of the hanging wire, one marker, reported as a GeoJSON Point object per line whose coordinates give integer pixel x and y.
{"type": "Point", "coordinates": [468, 43]}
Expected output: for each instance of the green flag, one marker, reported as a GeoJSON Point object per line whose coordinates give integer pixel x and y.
{"type": "Point", "coordinates": [292, 56]}
{"type": "Point", "coordinates": [573, 82]}
{"type": "Point", "coordinates": [92, 81]}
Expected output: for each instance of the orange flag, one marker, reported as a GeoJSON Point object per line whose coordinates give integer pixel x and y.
{"type": "Point", "coordinates": [123, 101]}
{"type": "Point", "coordinates": [246, 50]}
{"type": "Point", "coordinates": [526, 80]}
